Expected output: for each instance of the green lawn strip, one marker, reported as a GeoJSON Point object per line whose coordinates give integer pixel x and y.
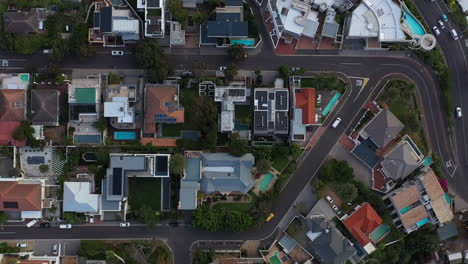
{"type": "Point", "coordinates": [188, 96]}
{"type": "Point", "coordinates": [172, 130]}
{"type": "Point", "coordinates": [145, 192]}
{"type": "Point", "coordinates": [237, 206]}
{"type": "Point", "coordinates": [243, 114]}
{"type": "Point", "coordinates": [279, 161]}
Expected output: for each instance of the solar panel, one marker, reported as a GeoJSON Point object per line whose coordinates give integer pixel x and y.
{"type": "Point", "coordinates": [117, 181]}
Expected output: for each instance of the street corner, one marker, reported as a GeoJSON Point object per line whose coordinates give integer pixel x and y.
{"type": "Point", "coordinates": [359, 82]}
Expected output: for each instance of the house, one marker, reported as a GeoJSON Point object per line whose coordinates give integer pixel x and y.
{"type": "Point", "coordinates": [313, 237]}
{"type": "Point", "coordinates": [228, 27]}
{"type": "Point", "coordinates": [78, 197]}
{"type": "Point", "coordinates": [271, 111]}
{"type": "Point", "coordinates": [402, 160]}
{"type": "Point", "coordinates": [304, 114]}
{"type": "Point", "coordinates": [25, 22]}
{"type": "Point", "coordinates": [45, 108]}
{"type": "Point", "coordinates": [228, 96]}
{"type": "Point", "coordinates": [367, 227]}
{"type": "Point", "coordinates": [155, 20]}
{"type": "Point", "coordinates": [464, 5]}
{"type": "Point", "coordinates": [161, 107]}
{"type": "Point", "coordinates": [376, 20]}
{"type": "Point", "coordinates": [84, 99]}
{"type": "Point", "coordinates": [215, 173]}
{"type": "Point", "coordinates": [24, 196]}
{"type": "Point", "coordinates": [122, 166]}
{"type": "Point", "coordinates": [418, 202]}
{"type": "Point", "coordinates": [119, 106]}
{"type": "Point", "coordinates": [176, 34]}
{"type": "Point", "coordinates": [113, 26]}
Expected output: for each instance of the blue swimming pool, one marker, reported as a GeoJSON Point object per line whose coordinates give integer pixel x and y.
{"type": "Point", "coordinates": [243, 42]}
{"type": "Point", "coordinates": [427, 161]}
{"type": "Point", "coordinates": [404, 209]}
{"type": "Point", "coordinates": [412, 23]}
{"type": "Point", "coordinates": [330, 105]}
{"type": "Point", "coordinates": [422, 222]}
{"type": "Point", "coordinates": [448, 199]}
{"type": "Point", "coordinates": [124, 135]}
{"type": "Point", "coordinates": [265, 182]}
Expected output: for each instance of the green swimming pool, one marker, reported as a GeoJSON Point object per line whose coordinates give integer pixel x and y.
{"type": "Point", "coordinates": [265, 182]}
{"type": "Point", "coordinates": [244, 42]}
{"type": "Point", "coordinates": [330, 105]}
{"type": "Point", "coordinates": [404, 209]}
{"type": "Point", "coordinates": [274, 259]}
{"type": "Point", "coordinates": [448, 199]}
{"type": "Point", "coordinates": [379, 233]}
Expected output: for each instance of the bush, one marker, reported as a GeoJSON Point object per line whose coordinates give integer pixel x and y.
{"type": "Point", "coordinates": [221, 220]}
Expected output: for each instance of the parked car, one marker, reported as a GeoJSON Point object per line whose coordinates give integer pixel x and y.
{"type": "Point", "coordinates": [329, 199]}
{"type": "Point", "coordinates": [270, 216]}
{"type": "Point", "coordinates": [117, 53]}
{"type": "Point", "coordinates": [22, 245]}
{"type": "Point", "coordinates": [55, 249]}
{"type": "Point", "coordinates": [458, 112]}
{"type": "Point", "coordinates": [44, 225]}
{"type": "Point", "coordinates": [441, 24]}
{"type": "Point", "coordinates": [293, 69]}
{"type": "Point", "coordinates": [65, 226]}
{"type": "Point", "coordinates": [33, 222]}
{"type": "Point", "coordinates": [335, 208]}
{"type": "Point", "coordinates": [336, 123]}
{"type": "Point", "coordinates": [47, 51]}
{"type": "Point", "coordinates": [436, 30]}
{"type": "Point", "coordinates": [126, 224]}
{"type": "Point", "coordinates": [4, 63]}
{"type": "Point", "coordinates": [222, 68]}
{"type": "Point", "coordinates": [444, 18]}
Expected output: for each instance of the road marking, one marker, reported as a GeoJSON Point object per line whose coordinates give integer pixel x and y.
{"type": "Point", "coordinates": [350, 63]}
{"type": "Point", "coordinates": [6, 233]}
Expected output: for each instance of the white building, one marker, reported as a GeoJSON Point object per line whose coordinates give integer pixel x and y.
{"type": "Point", "coordinates": [119, 108]}
{"type": "Point", "coordinates": [154, 17]}
{"type": "Point", "coordinates": [78, 197]}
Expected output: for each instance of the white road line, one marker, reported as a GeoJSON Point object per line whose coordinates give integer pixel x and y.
{"type": "Point", "coordinates": [350, 63]}
{"type": "Point", "coordinates": [6, 233]}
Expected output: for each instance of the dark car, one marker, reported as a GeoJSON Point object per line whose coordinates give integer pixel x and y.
{"type": "Point", "coordinates": [173, 224]}
{"type": "Point", "coordinates": [259, 79]}
{"type": "Point", "coordinates": [44, 225]}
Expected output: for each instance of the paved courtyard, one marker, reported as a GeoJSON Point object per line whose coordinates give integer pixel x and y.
{"type": "Point", "coordinates": [361, 172]}
{"type": "Point", "coordinates": [32, 158]}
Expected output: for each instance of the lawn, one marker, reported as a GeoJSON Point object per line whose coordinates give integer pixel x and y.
{"type": "Point", "coordinates": [400, 98]}
{"type": "Point", "coordinates": [324, 82]}
{"type": "Point", "coordinates": [188, 96]}
{"type": "Point", "coordinates": [280, 158]}
{"type": "Point", "coordinates": [243, 114]}
{"type": "Point", "coordinates": [172, 130]}
{"type": "Point", "coordinates": [236, 206]}
{"type": "Point", "coordinates": [145, 191]}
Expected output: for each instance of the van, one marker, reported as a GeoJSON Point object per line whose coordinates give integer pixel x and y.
{"type": "Point", "coordinates": [454, 34]}
{"type": "Point", "coordinates": [336, 123]}
{"type": "Point", "coordinates": [47, 51]}
{"type": "Point", "coordinates": [33, 222]}
{"type": "Point", "coordinates": [22, 245]}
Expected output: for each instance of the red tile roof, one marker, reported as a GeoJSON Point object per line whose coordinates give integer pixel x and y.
{"type": "Point", "coordinates": [28, 196]}
{"type": "Point", "coordinates": [6, 130]}
{"type": "Point", "coordinates": [157, 98]}
{"type": "Point", "coordinates": [362, 223]}
{"type": "Point", "coordinates": [159, 142]}
{"type": "Point", "coordinates": [306, 101]}
{"type": "Point", "coordinates": [12, 104]}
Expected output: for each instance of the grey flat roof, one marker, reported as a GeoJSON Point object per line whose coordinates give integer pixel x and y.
{"type": "Point", "coordinates": [281, 121]}
{"type": "Point", "coordinates": [204, 36]}
{"type": "Point", "coordinates": [227, 29]}
{"type": "Point", "coordinates": [261, 120]}
{"type": "Point", "coordinates": [228, 16]}
{"type": "Point", "coordinates": [365, 151]}
{"type": "Point", "coordinates": [262, 98]}
{"type": "Point", "coordinates": [281, 100]}
{"type": "Point", "coordinates": [330, 30]}
{"type": "Point", "coordinates": [233, 2]}
{"type": "Point", "coordinates": [271, 110]}
{"type": "Point", "coordinates": [152, 3]}
{"type": "Point", "coordinates": [105, 21]}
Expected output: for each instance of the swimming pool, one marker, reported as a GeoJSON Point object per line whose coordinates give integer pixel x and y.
{"type": "Point", "coordinates": [265, 182]}
{"type": "Point", "coordinates": [124, 135]}
{"type": "Point", "coordinates": [274, 259]}
{"type": "Point", "coordinates": [404, 209]}
{"type": "Point", "coordinates": [379, 233]}
{"type": "Point", "coordinates": [427, 161]}
{"type": "Point", "coordinates": [413, 24]}
{"type": "Point", "coordinates": [330, 105]}
{"type": "Point", "coordinates": [413, 145]}
{"type": "Point", "coordinates": [422, 222]}
{"type": "Point", "coordinates": [243, 42]}
{"type": "Point", "coordinates": [448, 199]}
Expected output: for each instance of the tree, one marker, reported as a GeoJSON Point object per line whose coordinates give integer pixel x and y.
{"type": "Point", "coordinates": [237, 146]}
{"type": "Point", "coordinates": [160, 255]}
{"type": "Point", "coordinates": [262, 153]}
{"type": "Point", "coordinates": [237, 52]}
{"type": "Point", "coordinates": [177, 164]}
{"type": "Point", "coordinates": [44, 168]}
{"type": "Point", "coordinates": [263, 166]}
{"type": "Point", "coordinates": [199, 17]}
{"type": "Point", "coordinates": [111, 257]}
{"type": "Point", "coordinates": [336, 171]}
{"type": "Point", "coordinates": [294, 150]}
{"type": "Point", "coordinates": [230, 72]}
{"type": "Point", "coordinates": [93, 249]}
{"type": "Point", "coordinates": [214, 3]}
{"type": "Point", "coordinates": [202, 257]}
{"type": "Point", "coordinates": [179, 13]}
{"type": "Point", "coordinates": [348, 192]}
{"type": "Point", "coordinates": [72, 218]}
{"type": "Point", "coordinates": [113, 78]}
{"type": "Point", "coordinates": [199, 68]}
{"type": "Point", "coordinates": [284, 72]}
{"type": "Point", "coordinates": [3, 218]}
{"type": "Point", "coordinates": [151, 56]}
{"type": "Point", "coordinates": [24, 131]}
{"type": "Point", "coordinates": [100, 124]}
{"type": "Point", "coordinates": [221, 220]}
{"type": "Point", "coordinates": [149, 216]}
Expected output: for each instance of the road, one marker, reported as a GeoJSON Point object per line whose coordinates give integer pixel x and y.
{"type": "Point", "coordinates": [377, 69]}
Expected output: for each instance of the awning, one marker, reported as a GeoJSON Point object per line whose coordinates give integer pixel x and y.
{"type": "Point", "coordinates": [31, 214]}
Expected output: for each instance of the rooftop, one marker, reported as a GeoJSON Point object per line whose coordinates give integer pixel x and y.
{"type": "Point", "coordinates": [297, 17]}
{"type": "Point", "coordinates": [6, 131]}
{"type": "Point", "coordinates": [84, 91]}
{"type": "Point", "coordinates": [413, 216]}
{"type": "Point", "coordinates": [12, 104]}
{"type": "Point", "coordinates": [383, 128]}
{"type": "Point", "coordinates": [119, 108]}
{"type": "Point", "coordinates": [271, 106]}
{"type": "Point", "coordinates": [228, 96]}
{"type": "Point", "coordinates": [162, 106]}
{"type": "Point", "coordinates": [14, 81]}
{"type": "Point", "coordinates": [377, 19]}
{"type": "Point", "coordinates": [401, 160]}
{"type": "Point", "coordinates": [77, 197]}
{"type": "Point", "coordinates": [20, 196]}
{"type": "Point", "coordinates": [45, 107]}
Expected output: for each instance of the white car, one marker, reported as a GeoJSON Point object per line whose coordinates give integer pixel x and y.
{"type": "Point", "coordinates": [22, 245]}
{"type": "Point", "coordinates": [91, 219]}
{"type": "Point", "coordinates": [65, 226]}
{"type": "Point", "coordinates": [335, 208]}
{"type": "Point", "coordinates": [126, 224]}
{"type": "Point", "coordinates": [329, 199]}
{"type": "Point", "coordinates": [336, 123]}
{"type": "Point", "coordinates": [436, 30]}
{"type": "Point", "coordinates": [117, 53]}
{"type": "Point", "coordinates": [458, 112]}
{"type": "Point", "coordinates": [55, 249]}
{"type": "Point", "coordinates": [222, 68]}
{"type": "Point", "coordinates": [441, 24]}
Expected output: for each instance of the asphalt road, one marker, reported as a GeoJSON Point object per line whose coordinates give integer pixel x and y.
{"type": "Point", "coordinates": [455, 55]}
{"type": "Point", "coordinates": [378, 69]}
